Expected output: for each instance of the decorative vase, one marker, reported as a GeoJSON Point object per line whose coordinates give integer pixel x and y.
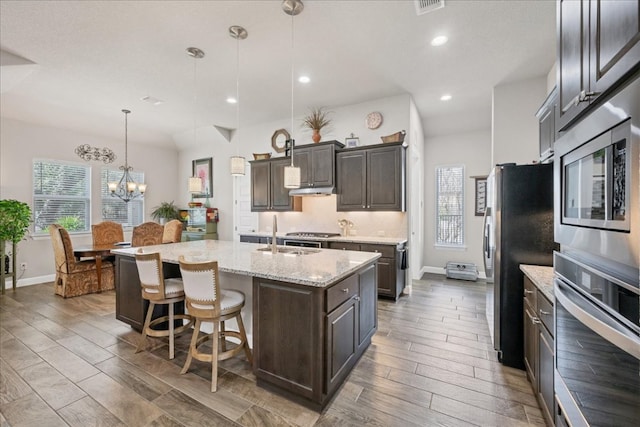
{"type": "Point", "coordinates": [316, 135]}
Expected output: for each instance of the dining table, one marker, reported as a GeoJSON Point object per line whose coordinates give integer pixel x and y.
{"type": "Point", "coordinates": [98, 253]}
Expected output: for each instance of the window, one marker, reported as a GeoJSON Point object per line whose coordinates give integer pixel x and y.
{"type": "Point", "coordinates": [61, 195]}
{"type": "Point", "coordinates": [450, 205]}
{"type": "Point", "coordinates": [113, 209]}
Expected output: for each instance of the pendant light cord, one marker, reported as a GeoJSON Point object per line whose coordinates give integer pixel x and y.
{"type": "Point", "coordinates": [238, 96]}
{"type": "Point", "coordinates": [126, 144]}
{"type": "Point", "coordinates": [292, 61]}
{"type": "Point", "coordinates": [195, 97]}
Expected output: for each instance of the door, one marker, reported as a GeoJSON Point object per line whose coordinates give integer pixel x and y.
{"type": "Point", "coordinates": [341, 345]}
{"type": "Point", "coordinates": [260, 186]}
{"type": "Point", "coordinates": [323, 166]}
{"type": "Point", "coordinates": [280, 199]}
{"type": "Point", "coordinates": [384, 189]}
{"type": "Point", "coordinates": [368, 305]}
{"type": "Point", "coordinates": [302, 159]}
{"type": "Point", "coordinates": [352, 180]}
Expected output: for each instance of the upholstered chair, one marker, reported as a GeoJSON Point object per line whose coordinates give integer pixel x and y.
{"type": "Point", "coordinates": [107, 233]}
{"type": "Point", "coordinates": [74, 277]}
{"type": "Point", "coordinates": [158, 290]}
{"type": "Point", "coordinates": [172, 231]}
{"type": "Point", "coordinates": [206, 302]}
{"type": "Point", "coordinates": [146, 234]}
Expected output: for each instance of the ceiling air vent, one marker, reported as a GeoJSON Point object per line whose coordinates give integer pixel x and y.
{"type": "Point", "coordinates": [426, 6]}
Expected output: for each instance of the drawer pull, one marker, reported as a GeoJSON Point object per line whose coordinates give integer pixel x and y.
{"type": "Point", "coordinates": [535, 320]}
{"type": "Point", "coordinates": [345, 290]}
{"type": "Point", "coordinates": [546, 313]}
{"type": "Point", "coordinates": [527, 291]}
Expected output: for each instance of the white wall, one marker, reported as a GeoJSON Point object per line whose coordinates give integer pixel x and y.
{"type": "Point", "coordinates": [514, 124]}
{"type": "Point", "coordinates": [416, 192]}
{"type": "Point", "coordinates": [21, 142]}
{"type": "Point", "coordinates": [473, 150]}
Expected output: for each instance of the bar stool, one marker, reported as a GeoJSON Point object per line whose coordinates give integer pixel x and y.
{"type": "Point", "coordinates": [158, 290]}
{"type": "Point", "coordinates": [208, 303]}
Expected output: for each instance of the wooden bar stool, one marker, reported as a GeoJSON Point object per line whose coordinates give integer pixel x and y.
{"type": "Point", "coordinates": [208, 303]}
{"type": "Point", "coordinates": [158, 290]}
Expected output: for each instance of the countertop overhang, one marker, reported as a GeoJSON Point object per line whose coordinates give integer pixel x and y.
{"type": "Point", "coordinates": [319, 269]}
{"type": "Point", "coordinates": [351, 239]}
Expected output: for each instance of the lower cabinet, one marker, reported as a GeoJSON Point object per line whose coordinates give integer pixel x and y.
{"type": "Point", "coordinates": [307, 340]}
{"type": "Point", "coordinates": [539, 347]}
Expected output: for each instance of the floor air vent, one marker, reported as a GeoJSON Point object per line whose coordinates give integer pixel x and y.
{"type": "Point", "coordinates": [426, 6]}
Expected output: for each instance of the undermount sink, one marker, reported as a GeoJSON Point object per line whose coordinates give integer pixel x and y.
{"type": "Point", "coordinates": [292, 250]}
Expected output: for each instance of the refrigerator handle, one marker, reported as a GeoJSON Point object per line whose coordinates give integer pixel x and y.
{"type": "Point", "coordinates": [486, 237]}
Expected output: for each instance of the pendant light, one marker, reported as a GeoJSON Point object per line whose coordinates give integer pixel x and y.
{"type": "Point", "coordinates": [237, 162]}
{"type": "Point", "coordinates": [292, 173]}
{"type": "Point", "coordinates": [126, 189]}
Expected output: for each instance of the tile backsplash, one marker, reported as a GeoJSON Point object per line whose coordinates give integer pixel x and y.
{"type": "Point", "coordinates": [319, 214]}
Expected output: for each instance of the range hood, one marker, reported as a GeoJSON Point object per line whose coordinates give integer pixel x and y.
{"type": "Point", "coordinates": [313, 191]}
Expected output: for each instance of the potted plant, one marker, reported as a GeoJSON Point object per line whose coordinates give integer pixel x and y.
{"type": "Point", "coordinates": [164, 212]}
{"type": "Point", "coordinates": [15, 217]}
{"type": "Point", "coordinates": [317, 119]}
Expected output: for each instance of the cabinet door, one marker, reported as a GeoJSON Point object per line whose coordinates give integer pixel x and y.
{"type": "Point", "coordinates": [302, 159]}
{"type": "Point", "coordinates": [545, 374]}
{"type": "Point", "coordinates": [341, 343]}
{"type": "Point", "coordinates": [344, 246]}
{"type": "Point", "coordinates": [368, 295]}
{"type": "Point", "coordinates": [352, 180]}
{"type": "Point", "coordinates": [280, 199]}
{"type": "Point", "coordinates": [531, 345]}
{"type": "Point", "coordinates": [323, 166]}
{"type": "Point", "coordinates": [260, 187]}
{"type": "Point", "coordinates": [547, 130]}
{"type": "Point", "coordinates": [573, 59]}
{"type": "Point", "coordinates": [615, 42]}
{"type": "Point", "coordinates": [384, 184]}
{"type": "Point", "coordinates": [387, 277]}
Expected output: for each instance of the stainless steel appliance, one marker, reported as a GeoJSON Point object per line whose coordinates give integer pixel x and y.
{"type": "Point", "coordinates": [518, 230]}
{"type": "Point", "coordinates": [597, 273]}
{"type": "Point", "coordinates": [597, 379]}
{"type": "Point", "coordinates": [307, 239]}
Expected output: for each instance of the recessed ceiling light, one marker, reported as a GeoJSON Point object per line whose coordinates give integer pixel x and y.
{"type": "Point", "coordinates": [152, 100]}
{"type": "Point", "coordinates": [439, 41]}
{"type": "Point", "coordinates": [445, 97]}
{"type": "Point", "coordinates": [231, 100]}
{"type": "Point", "coordinates": [304, 79]}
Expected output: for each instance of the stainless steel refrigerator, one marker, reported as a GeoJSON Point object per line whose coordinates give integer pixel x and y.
{"type": "Point", "coordinates": [518, 229]}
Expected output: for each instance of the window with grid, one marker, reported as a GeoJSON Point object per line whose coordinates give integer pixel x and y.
{"type": "Point", "coordinates": [61, 195]}
{"type": "Point", "coordinates": [113, 208]}
{"type": "Point", "coordinates": [450, 205]}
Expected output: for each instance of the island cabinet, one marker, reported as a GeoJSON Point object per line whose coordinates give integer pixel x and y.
{"type": "Point", "coordinates": [539, 346]}
{"type": "Point", "coordinates": [267, 187]}
{"type": "Point", "coordinates": [391, 274]}
{"type": "Point", "coordinates": [307, 339]}
{"type": "Point", "coordinates": [598, 48]}
{"type": "Point", "coordinates": [259, 239]}
{"type": "Point", "coordinates": [371, 178]}
{"type": "Point", "coordinates": [317, 163]}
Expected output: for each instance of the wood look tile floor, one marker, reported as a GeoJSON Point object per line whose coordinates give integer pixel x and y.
{"type": "Point", "coordinates": [70, 362]}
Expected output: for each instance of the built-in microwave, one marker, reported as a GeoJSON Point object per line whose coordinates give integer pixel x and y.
{"type": "Point", "coordinates": [596, 184]}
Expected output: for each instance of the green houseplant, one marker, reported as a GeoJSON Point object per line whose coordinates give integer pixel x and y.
{"type": "Point", "coordinates": [165, 211]}
{"type": "Point", "coordinates": [15, 217]}
{"type": "Point", "coordinates": [317, 119]}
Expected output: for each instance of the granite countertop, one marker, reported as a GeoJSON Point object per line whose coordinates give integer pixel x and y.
{"type": "Point", "coordinates": [542, 277]}
{"type": "Point", "coordinates": [319, 269]}
{"type": "Point", "coordinates": [351, 239]}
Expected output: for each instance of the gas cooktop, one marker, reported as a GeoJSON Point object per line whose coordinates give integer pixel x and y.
{"type": "Point", "coordinates": [311, 234]}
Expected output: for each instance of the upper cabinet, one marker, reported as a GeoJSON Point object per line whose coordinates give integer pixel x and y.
{"type": "Point", "coordinates": [267, 187]}
{"type": "Point", "coordinates": [371, 178]}
{"type": "Point", "coordinates": [317, 164]}
{"type": "Point", "coordinates": [547, 131]}
{"type": "Point", "coordinates": [598, 47]}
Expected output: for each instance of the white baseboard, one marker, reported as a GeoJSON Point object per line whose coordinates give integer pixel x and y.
{"type": "Point", "coordinates": [31, 281]}
{"type": "Point", "coordinates": [442, 271]}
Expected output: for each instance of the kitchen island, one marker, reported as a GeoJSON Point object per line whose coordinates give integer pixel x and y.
{"type": "Point", "coordinates": [310, 313]}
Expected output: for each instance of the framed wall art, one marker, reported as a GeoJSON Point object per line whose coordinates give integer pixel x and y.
{"type": "Point", "coordinates": [203, 169]}
{"type": "Point", "coordinates": [481, 194]}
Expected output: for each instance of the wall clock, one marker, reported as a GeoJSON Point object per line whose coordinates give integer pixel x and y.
{"type": "Point", "coordinates": [373, 120]}
{"type": "Point", "coordinates": [279, 140]}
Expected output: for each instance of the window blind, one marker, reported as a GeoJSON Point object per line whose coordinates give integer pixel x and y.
{"type": "Point", "coordinates": [450, 205]}
{"type": "Point", "coordinates": [116, 210]}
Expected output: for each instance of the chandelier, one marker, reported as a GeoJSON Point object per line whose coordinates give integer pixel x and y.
{"type": "Point", "coordinates": [126, 189]}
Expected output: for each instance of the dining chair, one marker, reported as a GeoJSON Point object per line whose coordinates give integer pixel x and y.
{"type": "Point", "coordinates": [158, 290]}
{"type": "Point", "coordinates": [146, 234]}
{"type": "Point", "coordinates": [73, 277]}
{"type": "Point", "coordinates": [172, 231]}
{"type": "Point", "coordinates": [107, 233]}
{"type": "Point", "coordinates": [207, 302]}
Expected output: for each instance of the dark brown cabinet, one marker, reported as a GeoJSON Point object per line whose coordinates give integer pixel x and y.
{"type": "Point", "coordinates": [308, 339]}
{"type": "Point", "coordinates": [317, 164]}
{"type": "Point", "coordinates": [259, 239]}
{"type": "Point", "coordinates": [546, 125]}
{"type": "Point", "coordinates": [598, 47]}
{"type": "Point", "coordinates": [539, 346]}
{"type": "Point", "coordinates": [391, 275]}
{"type": "Point", "coordinates": [267, 187]}
{"type": "Point", "coordinates": [371, 178]}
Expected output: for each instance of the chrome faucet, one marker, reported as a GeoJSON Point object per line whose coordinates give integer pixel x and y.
{"type": "Point", "coordinates": [274, 247]}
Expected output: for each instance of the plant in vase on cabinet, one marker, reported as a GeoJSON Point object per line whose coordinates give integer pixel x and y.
{"type": "Point", "coordinates": [317, 119]}
{"type": "Point", "coordinates": [165, 212]}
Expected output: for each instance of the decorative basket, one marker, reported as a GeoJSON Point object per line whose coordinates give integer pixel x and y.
{"type": "Point", "coordinates": [261, 156]}
{"type": "Point", "coordinates": [396, 137]}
